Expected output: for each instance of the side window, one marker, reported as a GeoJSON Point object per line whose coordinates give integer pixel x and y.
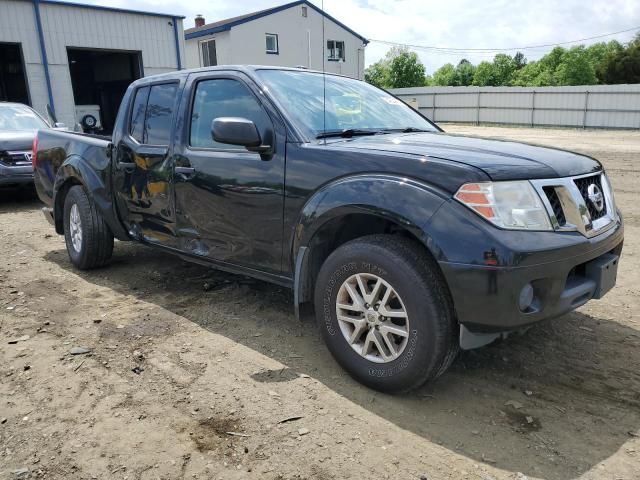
{"type": "Point", "coordinates": [222, 98]}
{"type": "Point", "coordinates": [160, 109]}
{"type": "Point", "coordinates": [136, 127]}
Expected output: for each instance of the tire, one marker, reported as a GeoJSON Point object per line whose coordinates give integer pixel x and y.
{"type": "Point", "coordinates": [418, 291]}
{"type": "Point", "coordinates": [94, 246]}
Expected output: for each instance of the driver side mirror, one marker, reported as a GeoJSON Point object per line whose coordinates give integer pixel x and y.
{"type": "Point", "coordinates": [238, 131]}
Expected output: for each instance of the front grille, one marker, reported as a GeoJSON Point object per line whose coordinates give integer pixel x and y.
{"type": "Point", "coordinates": [15, 159]}
{"type": "Point", "coordinates": [556, 206]}
{"type": "Point", "coordinates": [583, 185]}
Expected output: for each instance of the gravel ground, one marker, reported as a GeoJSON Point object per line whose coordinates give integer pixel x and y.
{"type": "Point", "coordinates": [194, 373]}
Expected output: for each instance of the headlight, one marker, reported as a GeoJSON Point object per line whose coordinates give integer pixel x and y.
{"type": "Point", "coordinates": [511, 205]}
{"type": "Point", "coordinates": [610, 198]}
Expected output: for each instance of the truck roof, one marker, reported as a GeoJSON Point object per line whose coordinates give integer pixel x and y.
{"type": "Point", "coordinates": [248, 69]}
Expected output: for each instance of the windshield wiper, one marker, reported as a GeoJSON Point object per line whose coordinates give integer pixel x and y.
{"type": "Point", "coordinates": [347, 133]}
{"type": "Point", "coordinates": [407, 130]}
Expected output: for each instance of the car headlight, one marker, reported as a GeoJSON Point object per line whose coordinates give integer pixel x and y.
{"type": "Point", "coordinates": [610, 197]}
{"type": "Point", "coordinates": [511, 205]}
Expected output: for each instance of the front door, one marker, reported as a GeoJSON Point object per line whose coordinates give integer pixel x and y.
{"type": "Point", "coordinates": [229, 201]}
{"type": "Point", "coordinates": [143, 169]}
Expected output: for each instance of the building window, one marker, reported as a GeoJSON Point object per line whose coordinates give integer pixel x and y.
{"type": "Point", "coordinates": [304, 11]}
{"type": "Point", "coordinates": [209, 58]}
{"type": "Point", "coordinates": [272, 43]}
{"type": "Point", "coordinates": [335, 50]}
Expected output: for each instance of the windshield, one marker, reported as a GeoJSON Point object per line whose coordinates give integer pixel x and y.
{"type": "Point", "coordinates": [17, 117]}
{"type": "Point", "coordinates": [350, 104]}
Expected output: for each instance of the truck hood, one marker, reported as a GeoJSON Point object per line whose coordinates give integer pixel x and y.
{"type": "Point", "coordinates": [16, 140]}
{"type": "Point", "coordinates": [500, 159]}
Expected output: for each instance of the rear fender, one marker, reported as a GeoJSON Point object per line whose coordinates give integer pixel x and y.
{"type": "Point", "coordinates": [75, 171]}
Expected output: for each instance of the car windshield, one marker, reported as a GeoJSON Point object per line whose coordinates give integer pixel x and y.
{"type": "Point", "coordinates": [17, 117]}
{"type": "Point", "coordinates": [352, 106]}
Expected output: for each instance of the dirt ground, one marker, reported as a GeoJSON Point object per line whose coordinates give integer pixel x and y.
{"type": "Point", "coordinates": [193, 373]}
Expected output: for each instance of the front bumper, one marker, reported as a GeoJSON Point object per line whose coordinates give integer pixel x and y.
{"type": "Point", "coordinates": [20, 175]}
{"type": "Point", "coordinates": [561, 268]}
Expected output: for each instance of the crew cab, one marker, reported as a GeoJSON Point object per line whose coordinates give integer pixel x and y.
{"type": "Point", "coordinates": [406, 242]}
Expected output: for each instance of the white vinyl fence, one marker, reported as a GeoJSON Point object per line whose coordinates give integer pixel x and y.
{"type": "Point", "coordinates": [593, 106]}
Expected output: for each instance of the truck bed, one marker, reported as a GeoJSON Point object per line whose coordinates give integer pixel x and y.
{"type": "Point", "coordinates": [68, 150]}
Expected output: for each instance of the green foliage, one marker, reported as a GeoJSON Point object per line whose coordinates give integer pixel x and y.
{"type": "Point", "coordinates": [399, 68]}
{"type": "Point", "coordinates": [621, 65]}
{"type": "Point", "coordinates": [604, 62]}
{"type": "Point", "coordinates": [461, 75]}
{"type": "Point", "coordinates": [575, 68]}
{"type": "Point", "coordinates": [464, 73]}
{"type": "Point", "coordinates": [485, 75]}
{"type": "Point", "coordinates": [377, 74]}
{"type": "Point", "coordinates": [445, 75]}
{"type": "Point", "coordinates": [406, 70]}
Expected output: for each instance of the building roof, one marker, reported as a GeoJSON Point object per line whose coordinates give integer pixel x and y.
{"type": "Point", "coordinates": [224, 25]}
{"type": "Point", "coordinates": [109, 9]}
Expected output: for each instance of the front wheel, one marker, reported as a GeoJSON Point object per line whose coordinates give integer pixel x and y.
{"type": "Point", "coordinates": [385, 313]}
{"type": "Point", "coordinates": [87, 236]}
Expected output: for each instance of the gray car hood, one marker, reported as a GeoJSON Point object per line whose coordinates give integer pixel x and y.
{"type": "Point", "coordinates": [16, 140]}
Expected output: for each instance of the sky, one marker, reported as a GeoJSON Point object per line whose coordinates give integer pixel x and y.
{"type": "Point", "coordinates": [460, 24]}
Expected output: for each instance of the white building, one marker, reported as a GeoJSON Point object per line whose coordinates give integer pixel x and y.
{"type": "Point", "coordinates": [292, 35]}
{"type": "Point", "coordinates": [67, 55]}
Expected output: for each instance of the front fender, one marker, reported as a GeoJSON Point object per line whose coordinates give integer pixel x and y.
{"type": "Point", "coordinates": [75, 170]}
{"type": "Point", "coordinates": [404, 201]}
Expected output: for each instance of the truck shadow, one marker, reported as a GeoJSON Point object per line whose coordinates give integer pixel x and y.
{"type": "Point", "coordinates": [554, 402]}
{"type": "Point", "coordinates": [22, 199]}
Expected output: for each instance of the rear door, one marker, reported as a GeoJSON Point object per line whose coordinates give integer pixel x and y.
{"type": "Point", "coordinates": [143, 167]}
{"type": "Point", "coordinates": [229, 201]}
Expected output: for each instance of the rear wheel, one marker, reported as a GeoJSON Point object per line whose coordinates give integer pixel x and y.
{"type": "Point", "coordinates": [385, 313]}
{"type": "Point", "coordinates": [87, 236]}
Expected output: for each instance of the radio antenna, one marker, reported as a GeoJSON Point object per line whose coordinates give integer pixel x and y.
{"type": "Point", "coordinates": [324, 79]}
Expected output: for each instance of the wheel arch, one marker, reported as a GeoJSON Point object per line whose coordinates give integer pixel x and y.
{"type": "Point", "coordinates": [356, 207]}
{"type": "Point", "coordinates": [75, 171]}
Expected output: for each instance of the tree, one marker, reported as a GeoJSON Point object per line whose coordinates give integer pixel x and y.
{"type": "Point", "coordinates": [500, 72]}
{"type": "Point", "coordinates": [464, 73]}
{"type": "Point", "coordinates": [445, 75]}
{"type": "Point", "coordinates": [533, 74]}
{"type": "Point", "coordinates": [406, 70]}
{"type": "Point", "coordinates": [399, 68]}
{"type": "Point", "coordinates": [504, 66]}
{"type": "Point", "coordinates": [378, 74]}
{"type": "Point", "coordinates": [484, 74]}
{"type": "Point", "coordinates": [622, 66]}
{"type": "Point", "coordinates": [575, 68]}
{"type": "Point", "coordinates": [519, 60]}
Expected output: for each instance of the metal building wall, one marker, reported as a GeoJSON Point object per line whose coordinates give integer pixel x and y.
{"type": "Point", "coordinates": [71, 26]}
{"type": "Point", "coordinates": [594, 106]}
{"type": "Point", "coordinates": [18, 25]}
{"type": "Point", "coordinates": [75, 25]}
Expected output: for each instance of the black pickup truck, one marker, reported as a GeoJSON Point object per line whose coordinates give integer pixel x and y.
{"type": "Point", "coordinates": [407, 242]}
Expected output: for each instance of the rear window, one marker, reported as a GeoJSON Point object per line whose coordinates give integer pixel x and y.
{"type": "Point", "coordinates": [152, 114]}
{"type": "Point", "coordinates": [160, 113]}
{"type": "Point", "coordinates": [136, 129]}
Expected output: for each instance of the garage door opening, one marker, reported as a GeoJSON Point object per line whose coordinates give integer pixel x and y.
{"type": "Point", "coordinates": [13, 81]}
{"type": "Point", "coordinates": [100, 79]}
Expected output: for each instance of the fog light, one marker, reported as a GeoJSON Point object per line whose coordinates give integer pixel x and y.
{"type": "Point", "coordinates": [526, 297]}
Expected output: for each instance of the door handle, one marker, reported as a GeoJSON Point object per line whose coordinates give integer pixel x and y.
{"type": "Point", "coordinates": [127, 166]}
{"type": "Point", "coordinates": [185, 170]}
